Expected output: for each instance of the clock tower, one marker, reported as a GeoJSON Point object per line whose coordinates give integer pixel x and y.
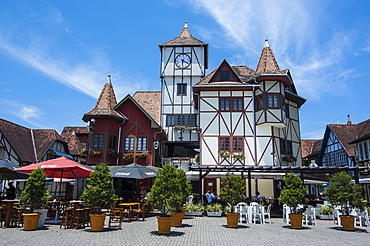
{"type": "Point", "coordinates": [184, 60]}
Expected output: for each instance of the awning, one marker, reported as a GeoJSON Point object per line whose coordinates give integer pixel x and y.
{"type": "Point", "coordinates": [63, 154]}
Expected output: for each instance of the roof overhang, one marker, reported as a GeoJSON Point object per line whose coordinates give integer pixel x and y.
{"type": "Point", "coordinates": [285, 78]}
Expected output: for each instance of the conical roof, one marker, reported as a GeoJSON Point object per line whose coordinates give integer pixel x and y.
{"type": "Point", "coordinates": [184, 38]}
{"type": "Point", "coordinates": [267, 63]}
{"type": "Point", "coordinates": [106, 101]}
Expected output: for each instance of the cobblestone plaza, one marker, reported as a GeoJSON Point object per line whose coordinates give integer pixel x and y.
{"type": "Point", "coordinates": [195, 231]}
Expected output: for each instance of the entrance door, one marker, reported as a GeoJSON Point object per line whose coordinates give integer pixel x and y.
{"type": "Point", "coordinates": [209, 184]}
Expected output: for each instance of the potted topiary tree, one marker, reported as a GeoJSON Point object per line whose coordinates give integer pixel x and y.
{"type": "Point", "coordinates": [294, 194]}
{"type": "Point", "coordinates": [341, 192]}
{"type": "Point", "coordinates": [232, 192]}
{"type": "Point", "coordinates": [35, 195]}
{"type": "Point", "coordinates": [99, 191]}
{"type": "Point", "coordinates": [168, 194]}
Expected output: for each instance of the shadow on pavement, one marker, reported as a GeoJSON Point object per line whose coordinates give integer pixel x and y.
{"type": "Point", "coordinates": [172, 234]}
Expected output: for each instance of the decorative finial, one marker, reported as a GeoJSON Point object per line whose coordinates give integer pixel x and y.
{"type": "Point", "coordinates": [267, 43]}
{"type": "Point", "coordinates": [108, 79]}
{"type": "Point", "coordinates": [186, 24]}
{"type": "Point", "coordinates": [349, 122]}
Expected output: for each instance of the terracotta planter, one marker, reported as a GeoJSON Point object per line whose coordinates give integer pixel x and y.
{"type": "Point", "coordinates": [232, 220]}
{"type": "Point", "coordinates": [97, 222]}
{"type": "Point", "coordinates": [164, 225]}
{"type": "Point", "coordinates": [296, 221]}
{"type": "Point", "coordinates": [177, 218]}
{"type": "Point", "coordinates": [348, 222]}
{"type": "Point", "coordinates": [30, 221]}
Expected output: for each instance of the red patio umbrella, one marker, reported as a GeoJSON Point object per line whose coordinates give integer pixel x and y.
{"type": "Point", "coordinates": [61, 167]}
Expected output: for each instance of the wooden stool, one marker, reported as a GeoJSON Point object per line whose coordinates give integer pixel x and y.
{"type": "Point", "coordinates": [88, 211]}
{"type": "Point", "coordinates": [115, 218]}
{"type": "Point", "coordinates": [67, 218]}
{"type": "Point", "coordinates": [17, 218]}
{"type": "Point", "coordinates": [78, 218]}
{"type": "Point", "coordinates": [2, 215]}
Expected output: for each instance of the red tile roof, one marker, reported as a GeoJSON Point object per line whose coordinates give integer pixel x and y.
{"type": "Point", "coordinates": [310, 147]}
{"type": "Point", "coordinates": [151, 102]}
{"type": "Point", "coordinates": [69, 134]}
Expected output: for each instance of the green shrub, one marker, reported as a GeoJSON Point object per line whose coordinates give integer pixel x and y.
{"type": "Point", "coordinates": [216, 207]}
{"type": "Point", "coordinates": [326, 210]}
{"type": "Point", "coordinates": [195, 207]}
{"type": "Point", "coordinates": [294, 193]}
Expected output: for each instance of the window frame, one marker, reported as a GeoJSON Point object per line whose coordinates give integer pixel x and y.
{"type": "Point", "coordinates": [112, 142]}
{"type": "Point", "coordinates": [275, 100]}
{"type": "Point", "coordinates": [224, 75]}
{"type": "Point", "coordinates": [182, 89]}
{"type": "Point", "coordinates": [142, 142]}
{"type": "Point", "coordinates": [228, 144]}
{"type": "Point", "coordinates": [98, 141]}
{"type": "Point", "coordinates": [129, 144]}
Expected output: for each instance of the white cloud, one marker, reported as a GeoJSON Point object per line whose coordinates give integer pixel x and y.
{"type": "Point", "coordinates": [34, 40]}
{"type": "Point", "coordinates": [27, 113]}
{"type": "Point", "coordinates": [293, 29]}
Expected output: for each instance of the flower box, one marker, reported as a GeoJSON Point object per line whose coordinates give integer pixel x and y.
{"type": "Point", "coordinates": [193, 213]}
{"type": "Point", "coordinates": [326, 217]}
{"type": "Point", "coordinates": [214, 214]}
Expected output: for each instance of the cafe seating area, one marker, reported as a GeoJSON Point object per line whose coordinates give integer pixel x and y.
{"type": "Point", "coordinates": [74, 214]}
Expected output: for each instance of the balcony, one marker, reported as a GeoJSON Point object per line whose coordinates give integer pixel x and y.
{"type": "Point", "coordinates": [181, 162]}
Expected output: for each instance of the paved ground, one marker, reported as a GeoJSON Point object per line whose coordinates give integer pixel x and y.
{"type": "Point", "coordinates": [195, 231]}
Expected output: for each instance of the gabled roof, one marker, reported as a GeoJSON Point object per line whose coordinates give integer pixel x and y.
{"type": "Point", "coordinates": [43, 139]}
{"type": "Point", "coordinates": [130, 98]}
{"type": "Point", "coordinates": [69, 134]}
{"type": "Point", "coordinates": [105, 104]}
{"type": "Point", "coordinates": [184, 38]}
{"type": "Point", "coordinates": [310, 147]}
{"type": "Point", "coordinates": [30, 145]}
{"type": "Point", "coordinates": [238, 75]}
{"type": "Point", "coordinates": [151, 102]}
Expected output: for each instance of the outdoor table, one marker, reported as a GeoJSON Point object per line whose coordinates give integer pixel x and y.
{"type": "Point", "coordinates": [128, 206]}
{"type": "Point", "coordinates": [8, 211]}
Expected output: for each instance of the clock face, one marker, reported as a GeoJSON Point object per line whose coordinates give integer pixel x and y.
{"type": "Point", "coordinates": [182, 60]}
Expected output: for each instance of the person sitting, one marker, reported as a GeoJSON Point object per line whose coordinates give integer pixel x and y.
{"type": "Point", "coordinates": [10, 192]}
{"type": "Point", "coordinates": [258, 197]}
{"type": "Point", "coordinates": [210, 197]}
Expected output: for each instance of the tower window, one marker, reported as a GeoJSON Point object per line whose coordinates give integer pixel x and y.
{"type": "Point", "coordinates": [224, 75]}
{"type": "Point", "coordinates": [237, 104]}
{"type": "Point", "coordinates": [98, 141]}
{"type": "Point", "coordinates": [273, 100]}
{"type": "Point", "coordinates": [112, 142]}
{"type": "Point", "coordinates": [181, 89]}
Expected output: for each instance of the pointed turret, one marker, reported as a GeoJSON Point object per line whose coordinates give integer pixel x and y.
{"type": "Point", "coordinates": [184, 38]}
{"type": "Point", "coordinates": [267, 63]}
{"type": "Point", "coordinates": [105, 104]}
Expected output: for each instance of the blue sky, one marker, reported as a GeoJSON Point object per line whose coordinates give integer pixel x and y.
{"type": "Point", "coordinates": [55, 55]}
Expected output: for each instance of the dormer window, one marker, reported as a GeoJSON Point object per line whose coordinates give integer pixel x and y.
{"type": "Point", "coordinates": [224, 75]}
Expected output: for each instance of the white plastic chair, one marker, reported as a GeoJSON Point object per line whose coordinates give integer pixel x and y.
{"type": "Point", "coordinates": [336, 218]}
{"type": "Point", "coordinates": [242, 210]}
{"type": "Point", "coordinates": [257, 213]}
{"type": "Point", "coordinates": [362, 216]}
{"type": "Point", "coordinates": [267, 213]}
{"type": "Point", "coordinates": [310, 215]}
{"type": "Point", "coordinates": [286, 212]}
{"type": "Point", "coordinates": [189, 200]}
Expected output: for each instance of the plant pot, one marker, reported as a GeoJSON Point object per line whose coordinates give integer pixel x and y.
{"type": "Point", "coordinates": [214, 214]}
{"type": "Point", "coordinates": [164, 225]}
{"type": "Point", "coordinates": [30, 221]}
{"type": "Point", "coordinates": [232, 219]}
{"type": "Point", "coordinates": [97, 222]}
{"type": "Point", "coordinates": [177, 218]}
{"type": "Point", "coordinates": [296, 221]}
{"type": "Point", "coordinates": [348, 222]}
{"type": "Point", "coordinates": [43, 214]}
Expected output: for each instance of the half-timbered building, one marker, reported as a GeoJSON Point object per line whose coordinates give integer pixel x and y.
{"type": "Point", "coordinates": [338, 146]}
{"type": "Point", "coordinates": [124, 132]}
{"type": "Point", "coordinates": [249, 117]}
{"type": "Point", "coordinates": [184, 61]}
{"type": "Point", "coordinates": [24, 146]}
